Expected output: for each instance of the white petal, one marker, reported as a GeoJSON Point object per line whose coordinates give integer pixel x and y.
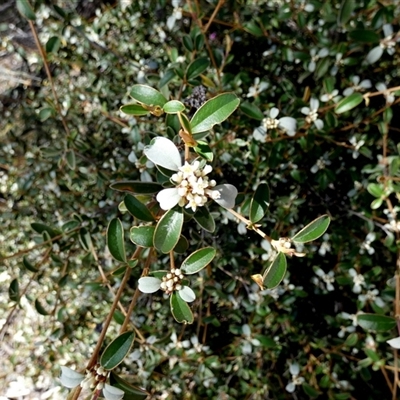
{"type": "Point", "coordinates": [164, 153]}
{"type": "Point", "coordinates": [380, 86]}
{"type": "Point", "coordinates": [294, 369]}
{"type": "Point", "coordinates": [273, 112]}
{"type": "Point", "coordinates": [228, 195]}
{"type": "Point", "coordinates": [187, 294]}
{"type": "Point", "coordinates": [260, 134]}
{"type": "Point", "coordinates": [289, 124]}
{"type": "Point", "coordinates": [305, 110]}
{"type": "Point", "coordinates": [168, 198]}
{"type": "Point", "coordinates": [290, 387]}
{"type": "Point", "coordinates": [312, 66]}
{"type": "Point", "coordinates": [112, 393]}
{"type": "Point", "coordinates": [387, 30]}
{"type": "Point", "coordinates": [323, 52]}
{"type": "Point", "coordinates": [319, 124]}
{"type": "Point", "coordinates": [348, 91]}
{"type": "Point", "coordinates": [395, 343]}
{"type": "Point", "coordinates": [374, 55]}
{"type": "Point", "coordinates": [70, 378]}
{"type": "Point", "coordinates": [149, 284]}
{"type": "Point", "coordinates": [314, 103]}
{"type": "Point", "coordinates": [246, 330]}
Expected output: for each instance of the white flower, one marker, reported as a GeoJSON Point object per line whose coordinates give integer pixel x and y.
{"type": "Point", "coordinates": [248, 342]}
{"type": "Point", "coordinates": [366, 245]}
{"type": "Point", "coordinates": [357, 145]}
{"type": "Point", "coordinates": [358, 280]}
{"type": "Point", "coordinates": [192, 186]}
{"type": "Point", "coordinates": [315, 57]}
{"type": "Point", "coordinates": [372, 296]}
{"type": "Point", "coordinates": [257, 88]}
{"type": "Point", "coordinates": [176, 14]}
{"type": "Point", "coordinates": [170, 282]}
{"type": "Point", "coordinates": [388, 43]}
{"type": "Point", "coordinates": [331, 96]}
{"type": "Point", "coordinates": [312, 114]}
{"type": "Point", "coordinates": [395, 342]}
{"type": "Point", "coordinates": [296, 380]}
{"type": "Point", "coordinates": [328, 278]}
{"type": "Point", "coordinates": [285, 124]}
{"type": "Point", "coordinates": [321, 163]}
{"type": "Point", "coordinates": [357, 85]}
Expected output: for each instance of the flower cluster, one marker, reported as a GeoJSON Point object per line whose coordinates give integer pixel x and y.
{"type": "Point", "coordinates": [194, 185]}
{"type": "Point", "coordinates": [172, 281]}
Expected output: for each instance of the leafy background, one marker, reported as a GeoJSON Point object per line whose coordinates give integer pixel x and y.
{"type": "Point", "coordinates": [56, 201]}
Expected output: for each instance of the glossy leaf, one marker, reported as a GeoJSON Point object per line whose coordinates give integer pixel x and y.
{"type": "Point", "coordinates": [348, 103]}
{"type": "Point", "coordinates": [166, 78]}
{"type": "Point", "coordinates": [173, 107]}
{"type": "Point", "coordinates": [259, 203]}
{"type": "Point", "coordinates": [117, 350]}
{"type": "Point", "coordinates": [40, 228]}
{"type": "Point", "coordinates": [198, 260]}
{"type": "Point", "coordinates": [346, 9]}
{"type": "Point", "coordinates": [251, 111]}
{"type": "Point", "coordinates": [136, 187]}
{"type": "Point", "coordinates": [364, 36]}
{"type": "Point", "coordinates": [13, 290]}
{"type": "Point", "coordinates": [142, 235]}
{"type": "Point", "coordinates": [203, 217]}
{"type": "Point", "coordinates": [26, 10]}
{"type": "Point", "coordinates": [275, 272]}
{"type": "Point", "coordinates": [182, 245]}
{"type": "Point", "coordinates": [168, 231]}
{"type": "Point", "coordinates": [40, 309]}
{"type": "Point", "coordinates": [204, 151]}
{"type": "Point", "coordinates": [131, 392]}
{"type": "Point", "coordinates": [214, 111]}
{"type": "Point", "coordinates": [375, 189]}
{"type": "Point", "coordinates": [197, 67]}
{"type": "Point", "coordinates": [180, 309]}
{"type": "Point", "coordinates": [53, 44]}
{"type": "Point", "coordinates": [313, 230]}
{"type": "Point", "coordinates": [70, 158]}
{"type": "Point", "coordinates": [134, 109]}
{"type": "Point", "coordinates": [115, 240]}
{"type": "Point", "coordinates": [147, 95]}
{"type": "Point", "coordinates": [376, 322]}
{"type": "Point", "coordinates": [137, 208]}
{"type": "Point", "coordinates": [28, 265]}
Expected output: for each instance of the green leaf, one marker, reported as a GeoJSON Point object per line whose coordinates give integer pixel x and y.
{"type": "Point", "coordinates": [85, 240]}
{"type": "Point", "coordinates": [203, 217]}
{"type": "Point", "coordinates": [115, 240]}
{"type": "Point", "coordinates": [131, 392]}
{"type": "Point", "coordinates": [168, 231]}
{"type": "Point", "coordinates": [251, 111]}
{"type": "Point", "coordinates": [180, 309]}
{"type": "Point", "coordinates": [147, 95]}
{"type": "Point", "coordinates": [214, 111]}
{"type": "Point", "coordinates": [70, 158]}
{"type": "Point", "coordinates": [53, 44]}
{"type": "Point", "coordinates": [167, 77]}
{"type": "Point", "coordinates": [117, 350]}
{"type": "Point", "coordinates": [376, 322]}
{"type": "Point", "coordinates": [259, 203]}
{"type": "Point", "coordinates": [134, 109]}
{"type": "Point", "coordinates": [351, 340]}
{"type": "Point", "coordinates": [118, 317]}
{"type": "Point", "coordinates": [136, 187]}
{"type": "Point", "coordinates": [198, 260]}
{"type": "Point", "coordinates": [313, 230]}
{"type": "Point", "coordinates": [348, 103]}
{"type": "Point", "coordinates": [346, 9]}
{"type": "Point", "coordinates": [187, 42]}
{"type": "Point", "coordinates": [309, 390]}
{"type": "Point", "coordinates": [197, 67]}
{"type": "Point", "coordinates": [13, 290]}
{"type": "Point", "coordinates": [364, 36]}
{"type": "Point", "coordinates": [142, 235]}
{"type": "Point", "coordinates": [253, 28]}
{"type": "Point", "coordinates": [40, 309]}
{"type": "Point", "coordinates": [173, 107]}
{"type": "Point", "coordinates": [46, 113]}
{"type": "Point", "coordinates": [40, 228]}
{"type": "Point", "coordinates": [275, 273]}
{"type": "Point", "coordinates": [204, 151]}
{"type": "Point", "coordinates": [28, 265]}
{"type": "Point", "coordinates": [26, 9]}
{"type": "Point", "coordinates": [376, 189]}
{"type": "Point", "coordinates": [182, 245]}
{"type": "Point", "coordinates": [137, 209]}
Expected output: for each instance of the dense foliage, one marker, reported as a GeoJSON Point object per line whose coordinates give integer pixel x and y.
{"type": "Point", "coordinates": [87, 219]}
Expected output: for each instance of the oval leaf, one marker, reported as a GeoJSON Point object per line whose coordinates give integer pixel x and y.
{"type": "Point", "coordinates": [137, 208]}
{"type": "Point", "coordinates": [180, 309]}
{"type": "Point", "coordinates": [147, 95]}
{"type": "Point", "coordinates": [313, 230]}
{"type": "Point", "coordinates": [142, 235]}
{"type": "Point", "coordinates": [204, 219]}
{"type": "Point", "coordinates": [348, 103]}
{"type": "Point", "coordinates": [197, 67]}
{"type": "Point", "coordinates": [13, 290]}
{"type": "Point", "coordinates": [173, 107]}
{"type": "Point", "coordinates": [198, 260]}
{"type": "Point", "coordinates": [204, 151]}
{"type": "Point", "coordinates": [259, 203]}
{"type": "Point", "coordinates": [131, 392]}
{"type": "Point", "coordinates": [39, 308]}
{"type": "Point", "coordinates": [251, 111]}
{"type": "Point", "coordinates": [115, 240]}
{"type": "Point", "coordinates": [134, 109]}
{"type": "Point", "coordinates": [275, 272]}
{"type": "Point", "coordinates": [346, 9]}
{"type": "Point", "coordinates": [376, 322]}
{"type": "Point", "coordinates": [136, 187]}
{"type": "Point", "coordinates": [117, 350]}
{"type": "Point", "coordinates": [26, 9]}
{"type": "Point", "coordinates": [213, 112]}
{"type": "Point", "coordinates": [364, 36]}
{"type": "Point", "coordinates": [28, 265]}
{"type": "Point", "coordinates": [168, 231]}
